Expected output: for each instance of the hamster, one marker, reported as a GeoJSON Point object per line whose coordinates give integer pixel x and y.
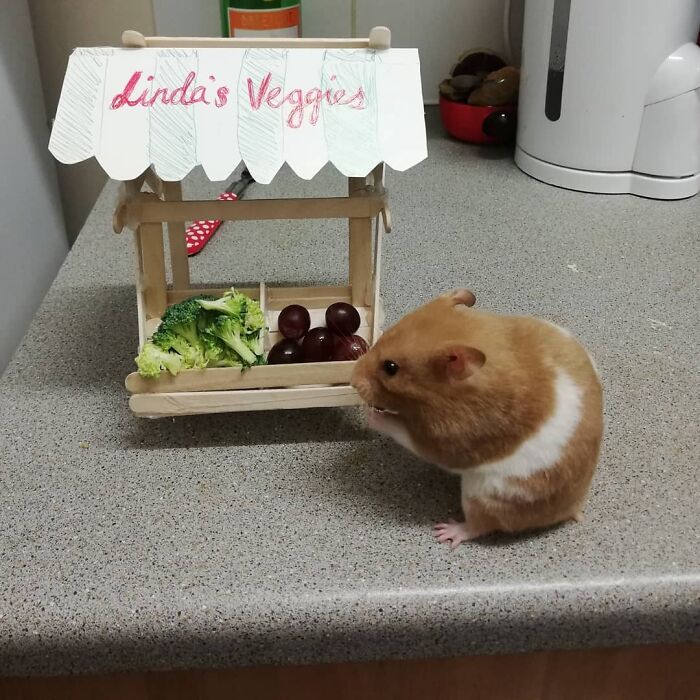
{"type": "Point", "coordinates": [512, 404]}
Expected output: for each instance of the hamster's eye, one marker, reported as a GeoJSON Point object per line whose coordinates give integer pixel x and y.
{"type": "Point", "coordinates": [390, 367]}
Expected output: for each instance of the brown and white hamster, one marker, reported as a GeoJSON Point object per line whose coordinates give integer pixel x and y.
{"type": "Point", "coordinates": [513, 404]}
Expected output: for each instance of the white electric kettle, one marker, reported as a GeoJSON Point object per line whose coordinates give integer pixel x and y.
{"type": "Point", "coordinates": [610, 96]}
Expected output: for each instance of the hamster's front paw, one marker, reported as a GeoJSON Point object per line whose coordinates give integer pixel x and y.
{"type": "Point", "coordinates": [384, 422]}
{"type": "Point", "coordinates": [390, 424]}
{"type": "Point", "coordinates": [453, 533]}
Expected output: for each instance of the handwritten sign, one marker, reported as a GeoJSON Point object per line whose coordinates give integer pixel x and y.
{"type": "Point", "coordinates": [178, 108]}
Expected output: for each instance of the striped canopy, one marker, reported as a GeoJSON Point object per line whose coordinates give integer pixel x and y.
{"type": "Point", "coordinates": [174, 109]}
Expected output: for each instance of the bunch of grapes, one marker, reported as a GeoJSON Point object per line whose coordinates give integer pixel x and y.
{"type": "Point", "coordinates": [335, 341]}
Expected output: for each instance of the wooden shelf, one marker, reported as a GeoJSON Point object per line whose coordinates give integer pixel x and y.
{"type": "Point", "coordinates": [261, 388]}
{"type": "Point", "coordinates": [192, 403]}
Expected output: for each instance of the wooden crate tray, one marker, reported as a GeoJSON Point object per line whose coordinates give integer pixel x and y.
{"type": "Point", "coordinates": [265, 387]}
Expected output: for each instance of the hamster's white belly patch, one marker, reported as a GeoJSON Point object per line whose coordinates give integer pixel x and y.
{"type": "Point", "coordinates": [540, 452]}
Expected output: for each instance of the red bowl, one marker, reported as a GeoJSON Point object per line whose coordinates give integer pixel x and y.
{"type": "Point", "coordinates": [465, 122]}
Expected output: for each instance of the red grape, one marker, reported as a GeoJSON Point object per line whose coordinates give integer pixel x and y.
{"type": "Point", "coordinates": [294, 321]}
{"type": "Point", "coordinates": [342, 318]}
{"type": "Point", "coordinates": [318, 345]}
{"type": "Point", "coordinates": [349, 347]}
{"type": "Point", "coordinates": [285, 352]}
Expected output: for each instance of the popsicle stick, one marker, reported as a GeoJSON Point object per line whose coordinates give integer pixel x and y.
{"type": "Point", "coordinates": [135, 39]}
{"type": "Point", "coordinates": [175, 295]}
{"type": "Point", "coordinates": [172, 192]}
{"type": "Point", "coordinates": [191, 403]}
{"type": "Point", "coordinates": [276, 297]}
{"type": "Point", "coordinates": [231, 378]}
{"type": "Point", "coordinates": [154, 281]}
{"type": "Point", "coordinates": [376, 302]}
{"type": "Point", "coordinates": [148, 209]}
{"type": "Point", "coordinates": [138, 268]}
{"type": "Point", "coordinates": [289, 295]}
{"type": "Point", "coordinates": [360, 247]}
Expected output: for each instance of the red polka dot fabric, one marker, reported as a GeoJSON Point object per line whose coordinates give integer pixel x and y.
{"type": "Point", "coordinates": [199, 233]}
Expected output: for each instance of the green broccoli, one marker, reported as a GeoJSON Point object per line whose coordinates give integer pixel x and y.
{"type": "Point", "coordinates": [214, 348]}
{"type": "Point", "coordinates": [255, 342]}
{"type": "Point", "coordinates": [206, 332]}
{"type": "Point", "coordinates": [229, 359]}
{"type": "Point", "coordinates": [179, 331]}
{"type": "Point", "coordinates": [233, 303]}
{"type": "Point", "coordinates": [228, 329]}
{"type": "Point", "coordinates": [189, 303]}
{"type": "Point", "coordinates": [254, 318]}
{"type": "Point", "coordinates": [182, 319]}
{"type": "Point", "coordinates": [152, 360]}
{"type": "Point", "coordinates": [166, 339]}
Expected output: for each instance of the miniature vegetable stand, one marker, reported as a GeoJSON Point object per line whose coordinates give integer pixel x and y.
{"type": "Point", "coordinates": [151, 112]}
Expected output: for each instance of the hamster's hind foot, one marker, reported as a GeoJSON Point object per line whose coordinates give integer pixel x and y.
{"type": "Point", "coordinates": [453, 533]}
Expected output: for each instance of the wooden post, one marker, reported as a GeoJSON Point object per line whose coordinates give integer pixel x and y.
{"type": "Point", "coordinates": [172, 192]}
{"type": "Point", "coordinates": [153, 264]}
{"type": "Point", "coordinates": [360, 248]}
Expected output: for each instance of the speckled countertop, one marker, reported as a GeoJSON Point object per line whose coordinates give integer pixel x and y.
{"type": "Point", "coordinates": [299, 536]}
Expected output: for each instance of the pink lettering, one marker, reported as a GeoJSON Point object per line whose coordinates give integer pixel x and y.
{"type": "Point", "coordinates": [256, 101]}
{"type": "Point", "coordinates": [199, 95]}
{"type": "Point", "coordinates": [273, 95]}
{"type": "Point", "coordinates": [122, 98]}
{"type": "Point", "coordinates": [296, 116]}
{"type": "Point", "coordinates": [358, 98]}
{"type": "Point", "coordinates": [141, 99]}
{"type": "Point", "coordinates": [163, 94]}
{"type": "Point", "coordinates": [189, 93]}
{"type": "Point", "coordinates": [314, 97]}
{"type": "Point", "coordinates": [339, 94]}
{"type": "Point", "coordinates": [180, 99]}
{"type": "Point", "coordinates": [221, 96]}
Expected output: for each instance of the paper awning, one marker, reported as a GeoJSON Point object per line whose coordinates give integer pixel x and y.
{"type": "Point", "coordinates": [178, 108]}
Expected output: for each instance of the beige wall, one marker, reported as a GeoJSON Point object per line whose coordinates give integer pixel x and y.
{"type": "Point", "coordinates": [60, 26]}
{"type": "Point", "coordinates": [187, 17]}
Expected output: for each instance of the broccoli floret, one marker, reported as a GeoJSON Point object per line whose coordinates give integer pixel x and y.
{"type": "Point", "coordinates": [214, 348]}
{"type": "Point", "coordinates": [218, 354]}
{"type": "Point", "coordinates": [182, 319]}
{"type": "Point", "coordinates": [152, 360]}
{"type": "Point", "coordinates": [166, 339]}
{"type": "Point", "coordinates": [254, 317]}
{"type": "Point", "coordinates": [229, 359]}
{"type": "Point", "coordinates": [228, 329]}
{"type": "Point", "coordinates": [190, 304]}
{"type": "Point", "coordinates": [179, 331]}
{"type": "Point", "coordinates": [233, 303]}
{"type": "Point", "coordinates": [255, 342]}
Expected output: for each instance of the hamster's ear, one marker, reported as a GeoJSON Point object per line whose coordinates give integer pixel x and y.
{"type": "Point", "coordinates": [461, 296]}
{"type": "Point", "coordinates": [458, 361]}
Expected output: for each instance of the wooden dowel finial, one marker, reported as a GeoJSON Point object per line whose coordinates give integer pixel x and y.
{"type": "Point", "coordinates": [133, 39]}
{"type": "Point", "coordinates": [380, 38]}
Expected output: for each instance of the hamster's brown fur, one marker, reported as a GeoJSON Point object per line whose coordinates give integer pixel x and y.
{"type": "Point", "coordinates": [513, 404]}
